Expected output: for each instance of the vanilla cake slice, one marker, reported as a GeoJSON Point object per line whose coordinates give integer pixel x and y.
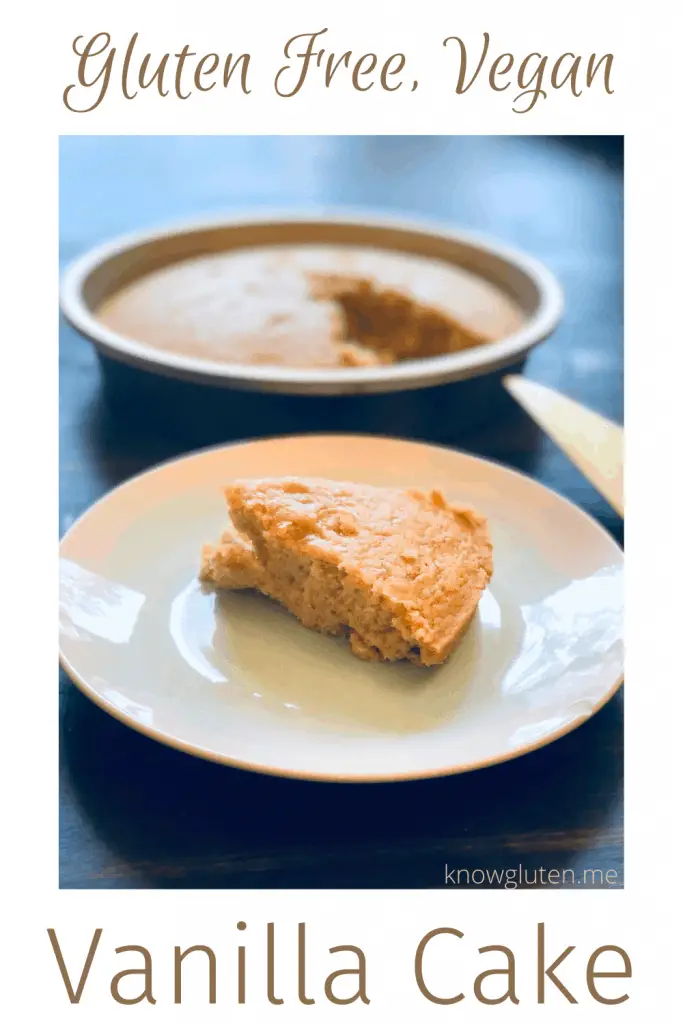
{"type": "Point", "coordinates": [400, 572]}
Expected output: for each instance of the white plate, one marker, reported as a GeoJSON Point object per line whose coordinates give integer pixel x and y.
{"type": "Point", "coordinates": [237, 679]}
{"type": "Point", "coordinates": [101, 272]}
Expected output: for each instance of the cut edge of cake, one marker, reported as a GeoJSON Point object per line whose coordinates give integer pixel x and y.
{"type": "Point", "coordinates": [384, 324]}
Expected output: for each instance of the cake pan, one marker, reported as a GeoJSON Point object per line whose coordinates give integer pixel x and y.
{"type": "Point", "coordinates": [98, 274]}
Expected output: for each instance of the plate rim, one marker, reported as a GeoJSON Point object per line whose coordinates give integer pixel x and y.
{"type": "Point", "coordinates": [408, 375]}
{"type": "Point", "coordinates": [196, 750]}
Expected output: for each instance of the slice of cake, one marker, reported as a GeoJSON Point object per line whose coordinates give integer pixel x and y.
{"type": "Point", "coordinates": [400, 572]}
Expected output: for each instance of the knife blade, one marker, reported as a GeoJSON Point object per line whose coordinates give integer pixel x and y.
{"type": "Point", "coordinates": [593, 443]}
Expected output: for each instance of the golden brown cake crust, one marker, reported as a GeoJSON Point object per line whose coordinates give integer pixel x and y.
{"type": "Point", "coordinates": [400, 571]}
{"type": "Point", "coordinates": [282, 305]}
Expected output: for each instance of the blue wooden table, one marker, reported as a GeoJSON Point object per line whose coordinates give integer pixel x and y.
{"type": "Point", "coordinates": [135, 814]}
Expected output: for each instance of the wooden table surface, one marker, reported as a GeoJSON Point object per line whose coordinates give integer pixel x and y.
{"type": "Point", "coordinates": [136, 814]}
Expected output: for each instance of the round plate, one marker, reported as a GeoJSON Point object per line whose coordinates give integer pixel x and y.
{"type": "Point", "coordinates": [235, 678]}
{"type": "Point", "coordinates": [101, 272]}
